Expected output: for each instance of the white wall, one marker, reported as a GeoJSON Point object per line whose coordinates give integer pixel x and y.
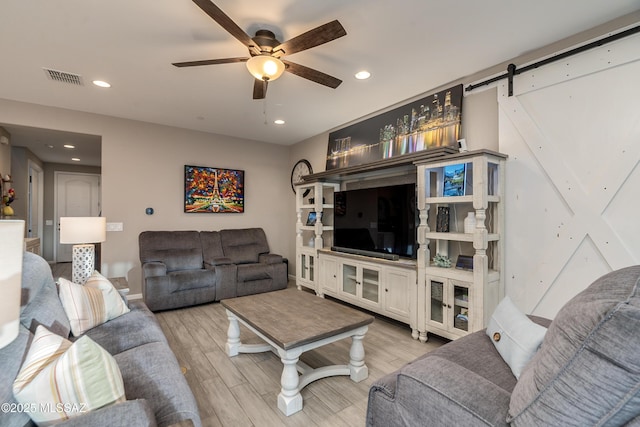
{"type": "Point", "coordinates": [143, 166]}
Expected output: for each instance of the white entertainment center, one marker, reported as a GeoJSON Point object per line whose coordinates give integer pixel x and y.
{"type": "Point", "coordinates": [446, 301]}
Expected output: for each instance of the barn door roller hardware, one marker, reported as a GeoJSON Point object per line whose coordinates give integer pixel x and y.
{"type": "Point", "coordinates": [512, 70]}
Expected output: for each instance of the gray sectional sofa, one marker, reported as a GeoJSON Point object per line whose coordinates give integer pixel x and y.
{"type": "Point", "coordinates": [184, 268]}
{"type": "Point", "coordinates": [155, 389]}
{"type": "Point", "coordinates": [586, 372]}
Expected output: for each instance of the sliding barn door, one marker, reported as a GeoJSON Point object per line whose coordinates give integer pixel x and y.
{"type": "Point", "coordinates": [572, 133]}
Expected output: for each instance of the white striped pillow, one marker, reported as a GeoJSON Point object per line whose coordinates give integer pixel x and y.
{"type": "Point", "coordinates": [91, 304]}
{"type": "Point", "coordinates": [60, 380]}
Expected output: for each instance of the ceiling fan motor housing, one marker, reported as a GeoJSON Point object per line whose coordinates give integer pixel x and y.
{"type": "Point", "coordinates": [266, 41]}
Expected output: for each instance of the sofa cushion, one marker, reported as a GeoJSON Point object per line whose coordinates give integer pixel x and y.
{"type": "Point", "coordinates": [243, 254]}
{"type": "Point", "coordinates": [211, 246]}
{"type": "Point", "coordinates": [179, 250]}
{"type": "Point", "coordinates": [587, 371]}
{"type": "Point", "coordinates": [249, 272]}
{"type": "Point", "coordinates": [192, 279]}
{"type": "Point", "coordinates": [515, 336]}
{"type": "Point", "coordinates": [91, 304]}
{"type": "Point", "coordinates": [40, 304]}
{"type": "Point", "coordinates": [11, 357]}
{"type": "Point", "coordinates": [151, 372]}
{"type": "Point", "coordinates": [70, 379]}
{"type": "Point", "coordinates": [244, 245]}
{"type": "Point", "coordinates": [183, 259]}
{"type": "Point", "coordinates": [130, 330]}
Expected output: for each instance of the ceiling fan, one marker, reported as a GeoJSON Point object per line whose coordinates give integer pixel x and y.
{"type": "Point", "coordinates": [265, 62]}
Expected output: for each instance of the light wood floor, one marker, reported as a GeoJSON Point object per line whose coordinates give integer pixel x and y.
{"type": "Point", "coordinates": [242, 390]}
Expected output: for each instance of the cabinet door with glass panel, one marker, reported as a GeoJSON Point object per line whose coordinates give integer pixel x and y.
{"type": "Point", "coordinates": [361, 282]}
{"type": "Point", "coordinates": [307, 269]}
{"type": "Point", "coordinates": [448, 306]}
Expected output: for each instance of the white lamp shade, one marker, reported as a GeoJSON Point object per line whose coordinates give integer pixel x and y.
{"type": "Point", "coordinates": [79, 229]}
{"type": "Point", "coordinates": [11, 253]}
{"type": "Point", "coordinates": [265, 67]}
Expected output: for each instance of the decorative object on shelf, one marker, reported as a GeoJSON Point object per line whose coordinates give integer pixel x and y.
{"type": "Point", "coordinates": [465, 262]}
{"type": "Point", "coordinates": [312, 200]}
{"type": "Point", "coordinates": [442, 219]}
{"type": "Point", "coordinates": [455, 179]}
{"type": "Point", "coordinates": [83, 232]}
{"type": "Point", "coordinates": [313, 217]}
{"type": "Point", "coordinates": [11, 252]}
{"type": "Point", "coordinates": [428, 123]}
{"type": "Point", "coordinates": [300, 169]}
{"type": "Point", "coordinates": [442, 261]}
{"type": "Point", "coordinates": [7, 199]}
{"type": "Point", "coordinates": [470, 222]}
{"type": "Point", "coordinates": [213, 190]}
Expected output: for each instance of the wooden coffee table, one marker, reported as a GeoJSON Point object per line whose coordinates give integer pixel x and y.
{"type": "Point", "coordinates": [292, 322]}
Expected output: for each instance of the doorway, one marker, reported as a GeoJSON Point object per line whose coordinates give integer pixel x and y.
{"type": "Point", "coordinates": [35, 200]}
{"type": "Point", "coordinates": [76, 194]}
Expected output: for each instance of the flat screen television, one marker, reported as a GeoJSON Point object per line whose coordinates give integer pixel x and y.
{"type": "Point", "coordinates": [379, 220]}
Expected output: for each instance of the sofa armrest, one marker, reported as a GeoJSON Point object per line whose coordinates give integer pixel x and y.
{"type": "Point", "coordinates": [435, 388]}
{"type": "Point", "coordinates": [128, 413]}
{"type": "Point", "coordinates": [154, 269]}
{"type": "Point", "coordinates": [217, 261]}
{"type": "Point", "coordinates": [270, 258]}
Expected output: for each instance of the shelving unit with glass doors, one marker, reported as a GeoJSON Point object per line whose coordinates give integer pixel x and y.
{"type": "Point", "coordinates": [458, 299]}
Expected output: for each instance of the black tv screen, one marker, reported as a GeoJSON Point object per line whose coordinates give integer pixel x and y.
{"type": "Point", "coordinates": [381, 220]}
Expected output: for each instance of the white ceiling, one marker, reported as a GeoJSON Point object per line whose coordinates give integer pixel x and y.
{"type": "Point", "coordinates": [409, 46]}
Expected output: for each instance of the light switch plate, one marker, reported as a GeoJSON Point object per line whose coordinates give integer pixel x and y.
{"type": "Point", "coordinates": [114, 226]}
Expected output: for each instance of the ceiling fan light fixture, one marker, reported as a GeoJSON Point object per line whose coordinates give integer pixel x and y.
{"type": "Point", "coordinates": [265, 67]}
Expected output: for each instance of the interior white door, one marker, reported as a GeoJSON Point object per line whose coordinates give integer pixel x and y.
{"type": "Point", "coordinates": [77, 194]}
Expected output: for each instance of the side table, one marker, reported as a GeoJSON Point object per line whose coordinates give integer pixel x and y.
{"type": "Point", "coordinates": [121, 284]}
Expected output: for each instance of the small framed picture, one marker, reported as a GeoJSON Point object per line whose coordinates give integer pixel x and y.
{"type": "Point", "coordinates": [464, 262]}
{"type": "Point", "coordinates": [313, 217]}
{"type": "Point", "coordinates": [454, 180]}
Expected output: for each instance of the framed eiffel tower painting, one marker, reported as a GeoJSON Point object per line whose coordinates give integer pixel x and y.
{"type": "Point", "coordinates": [213, 190]}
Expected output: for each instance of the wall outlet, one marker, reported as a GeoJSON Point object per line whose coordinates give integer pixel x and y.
{"type": "Point", "coordinates": [114, 226]}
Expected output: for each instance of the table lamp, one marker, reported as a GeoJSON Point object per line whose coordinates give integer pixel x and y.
{"type": "Point", "coordinates": [83, 232]}
{"type": "Point", "coordinates": [11, 252]}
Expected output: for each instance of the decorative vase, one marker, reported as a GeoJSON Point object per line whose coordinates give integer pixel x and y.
{"type": "Point", "coordinates": [7, 211]}
{"type": "Point", "coordinates": [470, 222]}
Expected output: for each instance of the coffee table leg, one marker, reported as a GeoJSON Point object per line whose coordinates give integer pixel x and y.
{"type": "Point", "coordinates": [233, 335]}
{"type": "Point", "coordinates": [358, 370]}
{"type": "Point", "coordinates": [289, 399]}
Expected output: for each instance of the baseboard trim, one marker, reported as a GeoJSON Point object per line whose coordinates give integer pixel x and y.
{"type": "Point", "coordinates": [134, 297]}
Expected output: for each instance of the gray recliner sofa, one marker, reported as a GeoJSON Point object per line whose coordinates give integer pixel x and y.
{"type": "Point", "coordinates": [157, 392]}
{"type": "Point", "coordinates": [586, 372]}
{"type": "Point", "coordinates": [184, 268]}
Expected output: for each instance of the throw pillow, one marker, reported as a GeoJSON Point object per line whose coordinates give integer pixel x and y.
{"type": "Point", "coordinates": [60, 380]}
{"type": "Point", "coordinates": [514, 335]}
{"type": "Point", "coordinates": [91, 304]}
{"type": "Point", "coordinates": [587, 372]}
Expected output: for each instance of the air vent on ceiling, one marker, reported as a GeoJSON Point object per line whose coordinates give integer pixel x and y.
{"type": "Point", "coordinates": [64, 77]}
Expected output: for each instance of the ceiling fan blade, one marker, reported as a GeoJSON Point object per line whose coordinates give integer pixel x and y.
{"type": "Point", "coordinates": [312, 38]}
{"type": "Point", "coordinates": [259, 89]}
{"type": "Point", "coordinates": [227, 23]}
{"type": "Point", "coordinates": [311, 74]}
{"type": "Point", "coordinates": [209, 62]}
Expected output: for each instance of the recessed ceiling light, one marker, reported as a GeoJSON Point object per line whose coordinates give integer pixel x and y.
{"type": "Point", "coordinates": [279, 122]}
{"type": "Point", "coordinates": [362, 75]}
{"type": "Point", "coordinates": [69, 146]}
{"type": "Point", "coordinates": [75, 159]}
{"type": "Point", "coordinates": [101, 83]}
